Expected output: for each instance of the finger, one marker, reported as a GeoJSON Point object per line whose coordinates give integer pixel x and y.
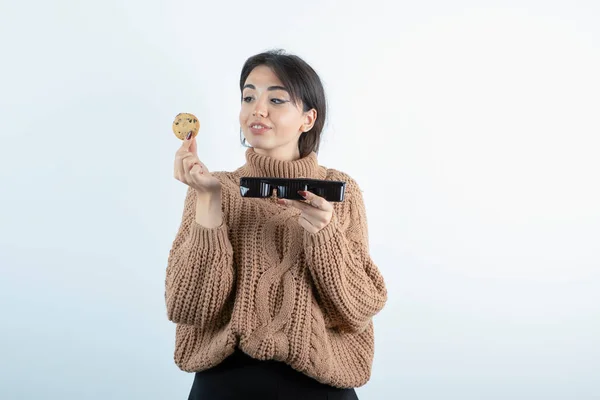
{"type": "Point", "coordinates": [316, 201]}
{"type": "Point", "coordinates": [185, 148]}
{"type": "Point", "coordinates": [193, 168]}
{"type": "Point", "coordinates": [186, 156]}
{"type": "Point", "coordinates": [193, 146]}
{"type": "Point", "coordinates": [187, 142]}
{"type": "Point", "coordinates": [178, 167]}
{"type": "Point", "coordinates": [296, 203]}
{"type": "Point", "coordinates": [199, 164]}
{"type": "Point", "coordinates": [181, 157]}
{"type": "Point", "coordinates": [182, 160]}
{"type": "Point", "coordinates": [189, 161]}
{"type": "Point", "coordinates": [304, 206]}
{"type": "Point", "coordinates": [307, 225]}
{"type": "Point", "coordinates": [315, 216]}
{"type": "Point", "coordinates": [188, 174]}
{"type": "Point", "coordinates": [196, 169]}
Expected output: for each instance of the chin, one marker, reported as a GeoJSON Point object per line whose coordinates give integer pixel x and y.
{"type": "Point", "coordinates": [260, 143]}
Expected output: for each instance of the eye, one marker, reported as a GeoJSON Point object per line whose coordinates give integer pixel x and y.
{"type": "Point", "coordinates": [247, 99]}
{"type": "Point", "coordinates": [278, 101]}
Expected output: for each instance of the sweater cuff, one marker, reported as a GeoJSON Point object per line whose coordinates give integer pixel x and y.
{"type": "Point", "coordinates": [212, 238]}
{"type": "Point", "coordinates": [324, 235]}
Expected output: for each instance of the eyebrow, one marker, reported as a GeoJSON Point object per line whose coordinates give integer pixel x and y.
{"type": "Point", "coordinates": [250, 86]}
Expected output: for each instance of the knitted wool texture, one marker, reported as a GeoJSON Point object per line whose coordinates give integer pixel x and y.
{"type": "Point", "coordinates": [261, 283]}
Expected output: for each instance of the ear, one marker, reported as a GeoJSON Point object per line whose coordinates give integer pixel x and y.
{"type": "Point", "coordinates": [310, 117]}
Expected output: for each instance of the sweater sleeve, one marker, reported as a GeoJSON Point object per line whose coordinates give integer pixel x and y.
{"type": "Point", "coordinates": [349, 285]}
{"type": "Point", "coordinates": [200, 275]}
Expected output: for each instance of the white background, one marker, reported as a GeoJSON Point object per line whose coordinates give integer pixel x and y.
{"type": "Point", "coordinates": [471, 126]}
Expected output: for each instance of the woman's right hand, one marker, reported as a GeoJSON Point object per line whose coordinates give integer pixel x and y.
{"type": "Point", "coordinates": [191, 171]}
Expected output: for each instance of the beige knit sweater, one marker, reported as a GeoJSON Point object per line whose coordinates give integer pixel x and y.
{"type": "Point", "coordinates": [262, 283]}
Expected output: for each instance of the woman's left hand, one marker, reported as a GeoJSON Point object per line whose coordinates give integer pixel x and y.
{"type": "Point", "coordinates": [316, 211]}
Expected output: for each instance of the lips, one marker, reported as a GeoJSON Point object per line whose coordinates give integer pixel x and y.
{"type": "Point", "coordinates": [257, 128]}
{"type": "Point", "coordinates": [259, 125]}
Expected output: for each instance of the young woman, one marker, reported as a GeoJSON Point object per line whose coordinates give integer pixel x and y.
{"type": "Point", "coordinates": [273, 298]}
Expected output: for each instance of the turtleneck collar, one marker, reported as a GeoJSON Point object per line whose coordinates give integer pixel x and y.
{"type": "Point", "coordinates": [258, 165]}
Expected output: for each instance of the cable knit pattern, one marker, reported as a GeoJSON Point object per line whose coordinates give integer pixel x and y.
{"type": "Point", "coordinates": [262, 283]}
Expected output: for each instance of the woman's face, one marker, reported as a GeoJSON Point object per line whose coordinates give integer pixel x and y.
{"type": "Point", "coordinates": [270, 122]}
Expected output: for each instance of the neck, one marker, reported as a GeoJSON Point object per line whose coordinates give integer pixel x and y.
{"type": "Point", "coordinates": [280, 154]}
{"type": "Point", "coordinates": [261, 165]}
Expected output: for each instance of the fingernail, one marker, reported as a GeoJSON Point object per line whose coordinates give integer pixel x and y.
{"type": "Point", "coordinates": [189, 135]}
{"type": "Point", "coordinates": [302, 193]}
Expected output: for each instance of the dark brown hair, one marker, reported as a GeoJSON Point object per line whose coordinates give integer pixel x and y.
{"type": "Point", "coordinates": [304, 85]}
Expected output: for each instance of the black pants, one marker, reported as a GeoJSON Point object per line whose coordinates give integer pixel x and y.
{"type": "Point", "coordinates": [242, 377]}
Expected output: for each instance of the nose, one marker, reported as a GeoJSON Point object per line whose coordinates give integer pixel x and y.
{"type": "Point", "coordinates": [260, 109]}
{"type": "Point", "coordinates": [259, 112]}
